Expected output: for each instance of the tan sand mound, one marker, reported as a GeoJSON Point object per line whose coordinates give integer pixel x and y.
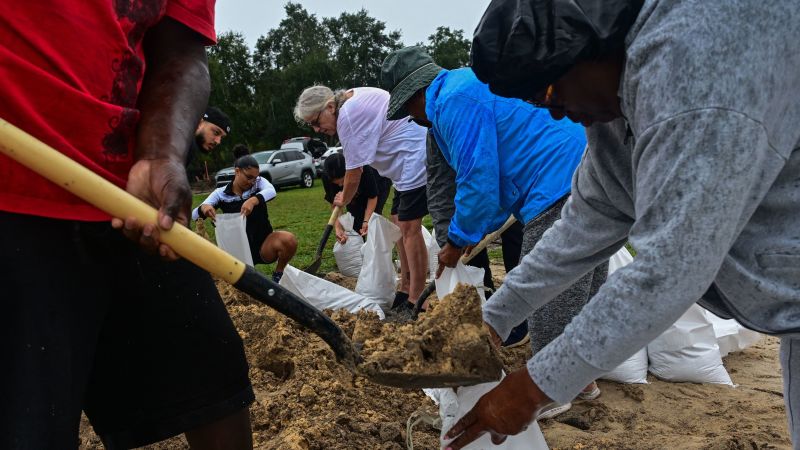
{"type": "Point", "coordinates": [305, 400]}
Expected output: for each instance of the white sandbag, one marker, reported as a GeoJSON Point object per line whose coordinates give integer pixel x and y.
{"type": "Point", "coordinates": [620, 259]}
{"type": "Point", "coordinates": [450, 278]}
{"type": "Point", "coordinates": [377, 279]}
{"type": "Point", "coordinates": [453, 405]}
{"type": "Point", "coordinates": [688, 351]}
{"type": "Point", "coordinates": [433, 252]}
{"type": "Point", "coordinates": [323, 294]}
{"type": "Point", "coordinates": [348, 255]}
{"type": "Point", "coordinates": [731, 337]}
{"type": "Point", "coordinates": [231, 236]}
{"type": "Point", "coordinates": [633, 369]}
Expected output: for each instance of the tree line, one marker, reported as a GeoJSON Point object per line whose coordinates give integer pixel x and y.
{"type": "Point", "coordinates": [258, 88]}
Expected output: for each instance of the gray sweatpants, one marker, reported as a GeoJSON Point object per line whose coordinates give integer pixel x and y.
{"type": "Point", "coordinates": [790, 365]}
{"type": "Point", "coordinates": [549, 321]}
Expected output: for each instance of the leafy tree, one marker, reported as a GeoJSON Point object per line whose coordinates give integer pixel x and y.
{"type": "Point", "coordinates": [449, 48]}
{"type": "Point", "coordinates": [360, 44]}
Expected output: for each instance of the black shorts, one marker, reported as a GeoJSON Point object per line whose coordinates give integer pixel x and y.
{"type": "Point", "coordinates": [410, 205]}
{"type": "Point", "coordinates": [90, 322]}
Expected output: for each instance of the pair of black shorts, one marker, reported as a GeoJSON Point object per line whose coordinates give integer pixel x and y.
{"type": "Point", "coordinates": [410, 205]}
{"type": "Point", "coordinates": [145, 347]}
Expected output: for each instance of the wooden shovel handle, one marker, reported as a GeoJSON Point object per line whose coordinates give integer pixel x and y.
{"type": "Point", "coordinates": [337, 211]}
{"type": "Point", "coordinates": [63, 171]}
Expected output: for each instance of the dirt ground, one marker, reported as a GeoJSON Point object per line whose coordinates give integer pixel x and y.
{"type": "Point", "coordinates": [305, 400]}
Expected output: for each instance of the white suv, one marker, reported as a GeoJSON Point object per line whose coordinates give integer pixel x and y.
{"type": "Point", "coordinates": [285, 167]}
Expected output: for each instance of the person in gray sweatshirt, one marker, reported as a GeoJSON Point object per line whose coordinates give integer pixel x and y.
{"type": "Point", "coordinates": [693, 109]}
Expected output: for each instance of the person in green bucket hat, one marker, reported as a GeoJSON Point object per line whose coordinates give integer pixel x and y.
{"type": "Point", "coordinates": [508, 156]}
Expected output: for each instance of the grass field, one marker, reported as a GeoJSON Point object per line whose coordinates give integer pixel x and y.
{"type": "Point", "coordinates": [303, 212]}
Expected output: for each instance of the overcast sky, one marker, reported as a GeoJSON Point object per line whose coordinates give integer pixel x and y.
{"type": "Point", "coordinates": [416, 19]}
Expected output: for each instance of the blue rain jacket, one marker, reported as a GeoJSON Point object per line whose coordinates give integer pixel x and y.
{"type": "Point", "coordinates": [509, 156]}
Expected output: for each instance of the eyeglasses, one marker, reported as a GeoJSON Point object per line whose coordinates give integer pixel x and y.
{"type": "Point", "coordinates": [315, 123]}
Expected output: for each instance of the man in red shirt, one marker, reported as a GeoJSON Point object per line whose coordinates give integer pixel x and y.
{"type": "Point", "coordinates": [144, 346]}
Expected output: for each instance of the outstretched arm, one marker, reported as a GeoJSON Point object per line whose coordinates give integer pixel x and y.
{"type": "Point", "coordinates": [174, 94]}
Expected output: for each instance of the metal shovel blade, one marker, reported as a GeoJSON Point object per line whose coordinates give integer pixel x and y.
{"type": "Point", "coordinates": [421, 381]}
{"type": "Point", "coordinates": [313, 268]}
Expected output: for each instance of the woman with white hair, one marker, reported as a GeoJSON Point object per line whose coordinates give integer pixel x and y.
{"type": "Point", "coordinates": [395, 148]}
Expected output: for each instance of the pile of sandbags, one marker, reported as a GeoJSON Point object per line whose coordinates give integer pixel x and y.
{"type": "Point", "coordinates": [690, 350]}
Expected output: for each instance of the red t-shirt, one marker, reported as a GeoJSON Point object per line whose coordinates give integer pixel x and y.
{"type": "Point", "coordinates": [71, 73]}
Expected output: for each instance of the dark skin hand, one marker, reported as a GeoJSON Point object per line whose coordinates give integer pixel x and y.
{"type": "Point", "coordinates": [173, 97]}
{"type": "Point", "coordinates": [448, 257]}
{"type": "Point", "coordinates": [506, 410]}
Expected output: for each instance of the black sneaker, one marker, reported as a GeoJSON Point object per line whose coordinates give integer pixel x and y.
{"type": "Point", "coordinates": [401, 300]}
{"type": "Point", "coordinates": [519, 336]}
{"type": "Point", "coordinates": [276, 276]}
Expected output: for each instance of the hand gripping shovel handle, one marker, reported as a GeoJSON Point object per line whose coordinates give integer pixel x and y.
{"type": "Point", "coordinates": [106, 196]}
{"type": "Point", "coordinates": [488, 239]}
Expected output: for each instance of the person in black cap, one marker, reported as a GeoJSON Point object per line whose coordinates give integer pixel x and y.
{"type": "Point", "coordinates": [212, 129]}
{"type": "Point", "coordinates": [693, 157]}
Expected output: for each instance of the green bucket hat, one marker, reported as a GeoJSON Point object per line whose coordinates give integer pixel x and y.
{"type": "Point", "coordinates": [404, 72]}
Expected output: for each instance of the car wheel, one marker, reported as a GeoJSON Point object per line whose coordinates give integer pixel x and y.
{"type": "Point", "coordinates": [307, 179]}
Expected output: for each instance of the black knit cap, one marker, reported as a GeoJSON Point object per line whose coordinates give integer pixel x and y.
{"type": "Point", "coordinates": [218, 118]}
{"type": "Point", "coordinates": [521, 46]}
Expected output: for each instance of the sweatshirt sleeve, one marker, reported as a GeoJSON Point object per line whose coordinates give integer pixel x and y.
{"type": "Point", "coordinates": [699, 177]}
{"type": "Point", "coordinates": [266, 191]}
{"type": "Point", "coordinates": [469, 131]}
{"type": "Point", "coordinates": [212, 200]}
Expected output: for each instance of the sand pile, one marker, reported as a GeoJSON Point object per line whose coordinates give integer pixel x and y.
{"type": "Point", "coordinates": [305, 400]}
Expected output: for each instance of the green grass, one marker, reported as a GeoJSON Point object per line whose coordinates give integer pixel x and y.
{"type": "Point", "coordinates": [303, 212]}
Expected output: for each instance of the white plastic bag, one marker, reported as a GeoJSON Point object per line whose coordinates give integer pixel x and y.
{"type": "Point", "coordinates": [433, 252]}
{"type": "Point", "coordinates": [453, 405]}
{"type": "Point", "coordinates": [348, 255]}
{"type": "Point", "coordinates": [450, 278]}
{"type": "Point", "coordinates": [323, 294]}
{"type": "Point", "coordinates": [633, 369]}
{"type": "Point", "coordinates": [731, 337]}
{"type": "Point", "coordinates": [688, 351]}
{"type": "Point", "coordinates": [231, 236]}
{"type": "Point", "coordinates": [377, 280]}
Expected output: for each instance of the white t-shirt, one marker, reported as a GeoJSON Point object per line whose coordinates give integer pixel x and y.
{"type": "Point", "coordinates": [395, 148]}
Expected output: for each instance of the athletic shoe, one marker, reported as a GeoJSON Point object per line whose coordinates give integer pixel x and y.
{"type": "Point", "coordinates": [553, 410]}
{"type": "Point", "coordinates": [276, 276]}
{"type": "Point", "coordinates": [591, 394]}
{"type": "Point", "coordinates": [519, 336]}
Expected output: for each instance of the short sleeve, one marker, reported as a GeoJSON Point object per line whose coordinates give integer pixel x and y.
{"type": "Point", "coordinates": [195, 14]}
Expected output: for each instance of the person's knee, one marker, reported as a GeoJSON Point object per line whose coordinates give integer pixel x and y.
{"type": "Point", "coordinates": [411, 229]}
{"type": "Point", "coordinates": [289, 242]}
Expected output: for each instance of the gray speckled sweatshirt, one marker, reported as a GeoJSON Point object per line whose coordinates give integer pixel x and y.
{"type": "Point", "coordinates": [707, 189]}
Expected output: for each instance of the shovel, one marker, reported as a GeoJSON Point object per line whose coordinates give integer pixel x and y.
{"type": "Point", "coordinates": [60, 169]}
{"type": "Point", "coordinates": [314, 266]}
{"type": "Point", "coordinates": [488, 239]}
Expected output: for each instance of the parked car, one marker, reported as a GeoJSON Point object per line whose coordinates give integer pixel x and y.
{"type": "Point", "coordinates": [312, 146]}
{"type": "Point", "coordinates": [285, 167]}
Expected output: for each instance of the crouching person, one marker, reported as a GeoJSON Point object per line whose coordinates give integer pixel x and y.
{"type": "Point", "coordinates": [248, 193]}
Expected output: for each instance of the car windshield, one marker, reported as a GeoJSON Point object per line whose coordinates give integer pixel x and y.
{"type": "Point", "coordinates": [262, 157]}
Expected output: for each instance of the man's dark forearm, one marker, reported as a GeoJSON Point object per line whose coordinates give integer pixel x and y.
{"type": "Point", "coordinates": [174, 93]}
